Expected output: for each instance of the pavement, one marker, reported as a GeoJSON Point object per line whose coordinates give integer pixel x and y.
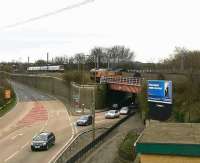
{"type": "Point", "coordinates": [33, 113]}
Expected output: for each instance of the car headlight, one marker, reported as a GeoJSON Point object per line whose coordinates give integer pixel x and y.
{"type": "Point", "coordinates": [44, 143]}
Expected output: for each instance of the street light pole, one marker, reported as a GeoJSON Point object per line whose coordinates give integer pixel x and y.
{"type": "Point", "coordinates": [93, 114]}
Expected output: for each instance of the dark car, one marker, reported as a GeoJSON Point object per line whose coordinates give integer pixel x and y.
{"type": "Point", "coordinates": [84, 120]}
{"type": "Point", "coordinates": [43, 141]}
{"type": "Point", "coordinates": [133, 107]}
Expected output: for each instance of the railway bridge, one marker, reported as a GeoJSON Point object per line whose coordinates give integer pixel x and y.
{"type": "Point", "coordinates": [124, 84]}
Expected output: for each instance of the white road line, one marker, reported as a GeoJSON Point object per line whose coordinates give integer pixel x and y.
{"type": "Point", "coordinates": [16, 136]}
{"type": "Point", "coordinates": [72, 126]}
{"type": "Point", "coordinates": [13, 155]}
{"type": "Point", "coordinates": [24, 145]}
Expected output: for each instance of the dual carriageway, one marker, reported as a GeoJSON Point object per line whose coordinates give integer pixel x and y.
{"type": "Point", "coordinates": [35, 112]}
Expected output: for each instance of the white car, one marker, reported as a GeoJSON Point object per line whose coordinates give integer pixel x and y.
{"type": "Point", "coordinates": [112, 114]}
{"type": "Point", "coordinates": [124, 110]}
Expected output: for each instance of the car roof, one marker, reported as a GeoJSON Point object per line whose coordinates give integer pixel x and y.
{"type": "Point", "coordinates": [45, 133]}
{"type": "Point", "coordinates": [125, 107]}
{"type": "Point", "coordinates": [86, 115]}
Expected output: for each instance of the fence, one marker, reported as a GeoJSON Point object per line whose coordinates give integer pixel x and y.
{"type": "Point", "coordinates": [83, 152]}
{"type": "Point", "coordinates": [122, 80]}
{"type": "Point", "coordinates": [78, 141]}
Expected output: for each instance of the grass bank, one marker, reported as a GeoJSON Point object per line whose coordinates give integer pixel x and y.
{"type": "Point", "coordinates": [8, 106]}
{"type": "Point", "coordinates": [126, 148]}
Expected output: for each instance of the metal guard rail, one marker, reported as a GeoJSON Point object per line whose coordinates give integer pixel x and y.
{"type": "Point", "coordinates": [79, 155]}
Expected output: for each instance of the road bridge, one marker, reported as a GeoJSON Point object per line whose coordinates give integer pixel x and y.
{"type": "Point", "coordinates": [124, 84]}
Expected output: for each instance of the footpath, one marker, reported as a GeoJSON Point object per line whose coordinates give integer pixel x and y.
{"type": "Point", "coordinates": [107, 152]}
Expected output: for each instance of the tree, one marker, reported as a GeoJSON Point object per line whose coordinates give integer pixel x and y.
{"type": "Point", "coordinates": [40, 62]}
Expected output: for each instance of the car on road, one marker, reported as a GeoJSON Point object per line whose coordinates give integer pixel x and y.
{"type": "Point", "coordinates": [124, 110]}
{"type": "Point", "coordinates": [115, 106]}
{"type": "Point", "coordinates": [133, 107]}
{"type": "Point", "coordinates": [84, 120]}
{"type": "Point", "coordinates": [43, 141]}
{"type": "Point", "coordinates": [112, 114]}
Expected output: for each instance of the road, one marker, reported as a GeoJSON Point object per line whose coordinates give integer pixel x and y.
{"type": "Point", "coordinates": [33, 113]}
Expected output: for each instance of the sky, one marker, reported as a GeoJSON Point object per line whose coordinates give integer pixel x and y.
{"type": "Point", "coordinates": [150, 28]}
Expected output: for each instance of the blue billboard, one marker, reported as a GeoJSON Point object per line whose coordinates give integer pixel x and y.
{"type": "Point", "coordinates": [159, 91]}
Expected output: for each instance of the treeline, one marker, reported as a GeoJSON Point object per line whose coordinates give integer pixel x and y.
{"type": "Point", "coordinates": [99, 57]}
{"type": "Point", "coordinates": [182, 60]}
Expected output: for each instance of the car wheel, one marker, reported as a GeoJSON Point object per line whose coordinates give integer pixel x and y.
{"type": "Point", "coordinates": [47, 146]}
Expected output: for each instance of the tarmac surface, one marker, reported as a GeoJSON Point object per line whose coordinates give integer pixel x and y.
{"type": "Point", "coordinates": [34, 112]}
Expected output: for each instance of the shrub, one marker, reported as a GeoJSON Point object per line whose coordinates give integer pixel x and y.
{"type": "Point", "coordinates": [126, 147]}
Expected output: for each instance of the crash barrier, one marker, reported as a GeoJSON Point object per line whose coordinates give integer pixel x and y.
{"type": "Point", "coordinates": [91, 146]}
{"type": "Point", "coordinates": [75, 144]}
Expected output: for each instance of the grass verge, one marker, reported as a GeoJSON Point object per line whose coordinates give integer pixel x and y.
{"type": "Point", "coordinates": [7, 107]}
{"type": "Point", "coordinates": [126, 149]}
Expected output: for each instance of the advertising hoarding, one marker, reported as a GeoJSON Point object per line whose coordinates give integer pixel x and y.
{"type": "Point", "coordinates": [159, 91]}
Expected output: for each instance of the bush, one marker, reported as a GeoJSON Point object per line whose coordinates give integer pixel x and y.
{"type": "Point", "coordinates": [126, 147]}
{"type": "Point", "coordinates": [77, 76]}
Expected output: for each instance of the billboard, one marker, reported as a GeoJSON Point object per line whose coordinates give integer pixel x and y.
{"type": "Point", "coordinates": [159, 91]}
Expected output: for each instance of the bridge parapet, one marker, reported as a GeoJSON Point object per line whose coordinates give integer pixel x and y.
{"type": "Point", "coordinates": [122, 80]}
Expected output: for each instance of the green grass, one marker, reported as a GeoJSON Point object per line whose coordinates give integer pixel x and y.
{"type": "Point", "coordinates": [126, 150]}
{"type": "Point", "coordinates": [8, 106]}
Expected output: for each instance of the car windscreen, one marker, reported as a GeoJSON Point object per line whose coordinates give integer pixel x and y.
{"type": "Point", "coordinates": [112, 111]}
{"type": "Point", "coordinates": [83, 118]}
{"type": "Point", "coordinates": [125, 109]}
{"type": "Point", "coordinates": [40, 138]}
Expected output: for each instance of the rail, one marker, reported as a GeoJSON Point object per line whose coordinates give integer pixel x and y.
{"type": "Point", "coordinates": [68, 150]}
{"type": "Point", "coordinates": [122, 80]}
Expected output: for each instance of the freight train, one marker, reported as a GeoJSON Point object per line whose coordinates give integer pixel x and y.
{"type": "Point", "coordinates": [98, 73]}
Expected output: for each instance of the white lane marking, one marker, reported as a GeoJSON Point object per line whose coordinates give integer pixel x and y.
{"type": "Point", "coordinates": [16, 136]}
{"type": "Point", "coordinates": [24, 145]}
{"type": "Point", "coordinates": [72, 127]}
{"type": "Point", "coordinates": [13, 155]}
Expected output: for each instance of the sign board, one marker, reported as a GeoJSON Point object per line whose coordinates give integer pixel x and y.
{"type": "Point", "coordinates": [7, 94]}
{"type": "Point", "coordinates": [159, 91]}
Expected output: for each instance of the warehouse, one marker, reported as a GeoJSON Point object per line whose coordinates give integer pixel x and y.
{"type": "Point", "coordinates": [169, 142]}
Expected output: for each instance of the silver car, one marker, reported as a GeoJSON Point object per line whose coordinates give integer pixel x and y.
{"type": "Point", "coordinates": [124, 110]}
{"type": "Point", "coordinates": [112, 114]}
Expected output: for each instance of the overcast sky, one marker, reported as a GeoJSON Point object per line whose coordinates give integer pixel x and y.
{"type": "Point", "coordinates": [151, 28]}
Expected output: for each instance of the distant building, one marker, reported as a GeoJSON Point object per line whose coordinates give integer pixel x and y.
{"type": "Point", "coordinates": [169, 143]}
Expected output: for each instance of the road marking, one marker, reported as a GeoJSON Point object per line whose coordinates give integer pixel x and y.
{"type": "Point", "coordinates": [72, 127]}
{"type": "Point", "coordinates": [16, 136]}
{"type": "Point", "coordinates": [24, 145]}
{"type": "Point", "coordinates": [13, 155]}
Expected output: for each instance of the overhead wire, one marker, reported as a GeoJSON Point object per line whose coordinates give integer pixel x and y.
{"type": "Point", "coordinates": [47, 14]}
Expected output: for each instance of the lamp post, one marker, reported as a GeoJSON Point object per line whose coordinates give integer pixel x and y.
{"type": "Point", "coordinates": [93, 113]}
